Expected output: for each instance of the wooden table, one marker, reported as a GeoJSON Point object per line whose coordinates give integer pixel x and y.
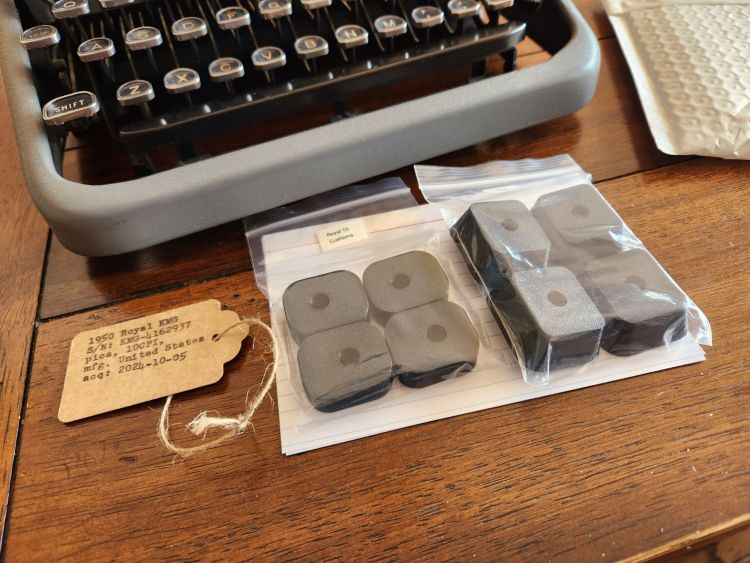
{"type": "Point", "coordinates": [638, 468]}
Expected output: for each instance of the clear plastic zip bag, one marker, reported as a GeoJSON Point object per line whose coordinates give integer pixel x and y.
{"type": "Point", "coordinates": [564, 277]}
{"type": "Point", "coordinates": [343, 203]}
{"type": "Point", "coordinates": [376, 325]}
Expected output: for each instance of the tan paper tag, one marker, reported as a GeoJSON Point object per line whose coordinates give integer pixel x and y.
{"type": "Point", "coordinates": [154, 356]}
{"type": "Point", "coordinates": [335, 235]}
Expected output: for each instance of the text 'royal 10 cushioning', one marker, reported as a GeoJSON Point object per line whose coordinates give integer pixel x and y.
{"type": "Point", "coordinates": [431, 343]}
{"type": "Point", "coordinates": [642, 306]}
{"type": "Point", "coordinates": [324, 302]}
{"type": "Point", "coordinates": [403, 282]}
{"type": "Point", "coordinates": [345, 366]}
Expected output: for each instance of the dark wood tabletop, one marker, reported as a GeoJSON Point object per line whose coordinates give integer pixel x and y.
{"type": "Point", "coordinates": [653, 466]}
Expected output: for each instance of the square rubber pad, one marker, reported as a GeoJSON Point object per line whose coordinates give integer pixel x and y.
{"type": "Point", "coordinates": [496, 237]}
{"type": "Point", "coordinates": [431, 343]}
{"type": "Point", "coordinates": [403, 282]}
{"type": "Point", "coordinates": [324, 302]}
{"type": "Point", "coordinates": [581, 226]}
{"type": "Point", "coordinates": [551, 321]}
{"type": "Point", "coordinates": [345, 366]}
{"type": "Point", "coordinates": [643, 307]}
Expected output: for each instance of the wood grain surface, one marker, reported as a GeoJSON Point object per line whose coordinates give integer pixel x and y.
{"type": "Point", "coordinates": [613, 119]}
{"type": "Point", "coordinates": [599, 474]}
{"type": "Point", "coordinates": [23, 238]}
{"type": "Point", "coordinates": [641, 468]}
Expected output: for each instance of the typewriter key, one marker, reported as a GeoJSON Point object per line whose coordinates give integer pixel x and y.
{"type": "Point", "coordinates": [498, 4]}
{"type": "Point", "coordinates": [142, 38]}
{"type": "Point", "coordinates": [464, 8]}
{"type": "Point", "coordinates": [189, 28]}
{"type": "Point", "coordinates": [226, 68]}
{"type": "Point", "coordinates": [268, 58]}
{"type": "Point", "coordinates": [311, 47]}
{"type": "Point", "coordinates": [427, 16]}
{"type": "Point", "coordinates": [390, 26]}
{"type": "Point", "coordinates": [69, 107]}
{"type": "Point", "coordinates": [351, 35]}
{"type": "Point", "coordinates": [96, 49]}
{"type": "Point", "coordinates": [107, 4]}
{"type": "Point", "coordinates": [232, 18]}
{"type": "Point", "coordinates": [40, 36]}
{"type": "Point", "coordinates": [70, 8]}
{"type": "Point", "coordinates": [315, 4]}
{"type": "Point", "coordinates": [135, 92]}
{"type": "Point", "coordinates": [181, 80]}
{"type": "Point", "coordinates": [274, 9]}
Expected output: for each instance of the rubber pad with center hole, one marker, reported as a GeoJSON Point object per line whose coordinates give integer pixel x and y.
{"type": "Point", "coordinates": [431, 343]}
{"type": "Point", "coordinates": [345, 366]}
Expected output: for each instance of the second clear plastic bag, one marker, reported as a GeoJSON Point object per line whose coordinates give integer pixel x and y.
{"type": "Point", "coordinates": [564, 277]}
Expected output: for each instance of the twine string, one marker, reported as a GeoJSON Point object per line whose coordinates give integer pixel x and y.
{"type": "Point", "coordinates": [204, 421]}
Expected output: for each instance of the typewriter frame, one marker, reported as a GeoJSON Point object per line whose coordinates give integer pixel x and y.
{"type": "Point", "coordinates": [96, 220]}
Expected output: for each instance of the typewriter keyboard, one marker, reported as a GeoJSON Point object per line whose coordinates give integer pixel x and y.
{"type": "Point", "coordinates": [152, 73]}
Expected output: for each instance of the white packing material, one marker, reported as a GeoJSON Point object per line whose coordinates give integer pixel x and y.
{"type": "Point", "coordinates": [689, 60]}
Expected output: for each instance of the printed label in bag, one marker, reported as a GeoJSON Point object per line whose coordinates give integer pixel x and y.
{"type": "Point", "coordinates": [339, 234]}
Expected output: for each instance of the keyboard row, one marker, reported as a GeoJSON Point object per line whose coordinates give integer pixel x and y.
{"type": "Point", "coordinates": [235, 16]}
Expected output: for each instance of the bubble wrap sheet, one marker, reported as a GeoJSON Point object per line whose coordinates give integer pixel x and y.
{"type": "Point", "coordinates": [689, 60]}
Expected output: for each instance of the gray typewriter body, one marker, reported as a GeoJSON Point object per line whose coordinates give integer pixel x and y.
{"type": "Point", "coordinates": [121, 217]}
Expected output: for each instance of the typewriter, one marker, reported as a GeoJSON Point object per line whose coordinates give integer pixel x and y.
{"type": "Point", "coordinates": [173, 77]}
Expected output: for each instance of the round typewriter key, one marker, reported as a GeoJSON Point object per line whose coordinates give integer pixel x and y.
{"type": "Point", "coordinates": [135, 92]}
{"type": "Point", "coordinates": [106, 4]}
{"type": "Point", "coordinates": [268, 58]}
{"type": "Point", "coordinates": [273, 9]}
{"type": "Point", "coordinates": [186, 29]}
{"type": "Point", "coordinates": [40, 36]}
{"type": "Point", "coordinates": [70, 8]}
{"type": "Point", "coordinates": [69, 107]}
{"type": "Point", "coordinates": [498, 4]}
{"type": "Point", "coordinates": [142, 38]}
{"type": "Point", "coordinates": [351, 35]}
{"type": "Point", "coordinates": [180, 80]}
{"type": "Point", "coordinates": [427, 16]}
{"type": "Point", "coordinates": [96, 49]}
{"type": "Point", "coordinates": [464, 8]}
{"type": "Point", "coordinates": [311, 47]}
{"type": "Point", "coordinates": [226, 68]}
{"type": "Point", "coordinates": [390, 26]}
{"type": "Point", "coordinates": [315, 4]}
{"type": "Point", "coordinates": [232, 18]}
